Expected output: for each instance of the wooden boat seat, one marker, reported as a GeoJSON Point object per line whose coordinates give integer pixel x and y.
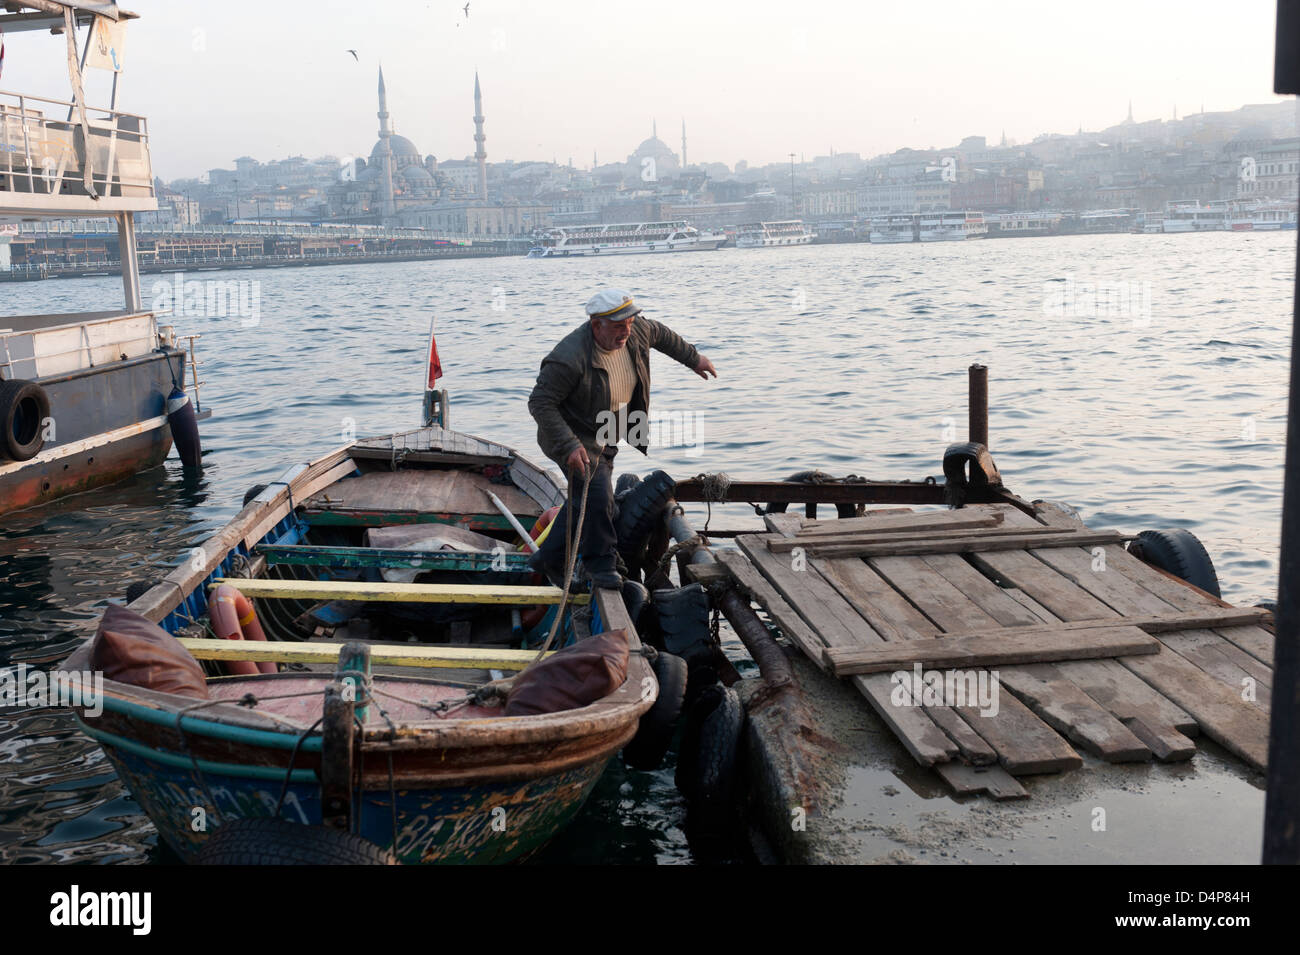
{"type": "Point", "coordinates": [399, 593]}
{"type": "Point", "coordinates": [306, 555]}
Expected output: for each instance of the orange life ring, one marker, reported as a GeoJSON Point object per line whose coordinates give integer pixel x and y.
{"type": "Point", "coordinates": [233, 618]}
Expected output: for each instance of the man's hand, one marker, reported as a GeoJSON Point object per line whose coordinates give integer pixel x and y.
{"type": "Point", "coordinates": [577, 461]}
{"type": "Point", "coordinates": [704, 367]}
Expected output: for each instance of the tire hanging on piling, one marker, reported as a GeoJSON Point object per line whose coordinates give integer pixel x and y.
{"type": "Point", "coordinates": [710, 751]}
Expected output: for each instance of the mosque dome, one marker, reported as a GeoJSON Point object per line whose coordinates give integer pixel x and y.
{"type": "Point", "coordinates": [402, 147]}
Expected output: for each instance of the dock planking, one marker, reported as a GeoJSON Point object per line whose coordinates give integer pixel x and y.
{"type": "Point", "coordinates": [1062, 703]}
{"type": "Point", "coordinates": [1239, 726]}
{"type": "Point", "coordinates": [876, 590]}
{"type": "Point", "coordinates": [821, 607]}
{"type": "Point", "coordinates": [1024, 743]}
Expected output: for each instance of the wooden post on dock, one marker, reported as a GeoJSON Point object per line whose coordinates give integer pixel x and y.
{"type": "Point", "coordinates": [1282, 794]}
{"type": "Point", "coordinates": [978, 404]}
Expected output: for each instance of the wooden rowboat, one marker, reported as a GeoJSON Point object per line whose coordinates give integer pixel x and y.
{"type": "Point", "coordinates": [423, 772]}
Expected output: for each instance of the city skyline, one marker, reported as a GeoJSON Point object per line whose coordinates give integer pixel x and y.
{"type": "Point", "coordinates": [214, 89]}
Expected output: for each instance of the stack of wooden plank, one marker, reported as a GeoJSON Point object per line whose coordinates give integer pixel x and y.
{"type": "Point", "coordinates": [1092, 648]}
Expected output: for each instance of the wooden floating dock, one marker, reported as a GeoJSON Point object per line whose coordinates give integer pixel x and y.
{"type": "Point", "coordinates": [1093, 649]}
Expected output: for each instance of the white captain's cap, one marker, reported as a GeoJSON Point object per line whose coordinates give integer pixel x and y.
{"type": "Point", "coordinates": [613, 304]}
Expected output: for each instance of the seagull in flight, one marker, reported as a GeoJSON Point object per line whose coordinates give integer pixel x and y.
{"type": "Point", "coordinates": [354, 55]}
{"type": "Point", "coordinates": [466, 9]}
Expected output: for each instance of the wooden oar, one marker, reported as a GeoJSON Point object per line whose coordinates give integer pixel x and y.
{"type": "Point", "coordinates": [514, 522]}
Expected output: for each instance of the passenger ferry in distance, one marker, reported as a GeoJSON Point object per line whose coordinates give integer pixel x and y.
{"type": "Point", "coordinates": [1192, 216]}
{"type": "Point", "coordinates": [1263, 216]}
{"type": "Point", "coordinates": [894, 228]}
{"type": "Point", "coordinates": [760, 235]}
{"type": "Point", "coordinates": [951, 226]}
{"type": "Point", "coordinates": [624, 239]}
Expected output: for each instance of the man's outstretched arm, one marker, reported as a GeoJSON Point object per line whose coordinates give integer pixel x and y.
{"type": "Point", "coordinates": [674, 346]}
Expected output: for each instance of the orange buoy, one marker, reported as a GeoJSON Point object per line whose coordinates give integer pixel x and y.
{"type": "Point", "coordinates": [233, 618]}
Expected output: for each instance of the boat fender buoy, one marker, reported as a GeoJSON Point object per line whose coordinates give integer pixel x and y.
{"type": "Point", "coordinates": [654, 733]}
{"type": "Point", "coordinates": [1180, 553]}
{"type": "Point", "coordinates": [252, 492]}
{"type": "Point", "coordinates": [234, 618]}
{"type": "Point", "coordinates": [24, 411]}
{"type": "Point", "coordinates": [185, 428]}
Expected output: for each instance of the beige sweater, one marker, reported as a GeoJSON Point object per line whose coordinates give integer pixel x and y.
{"type": "Point", "coordinates": [622, 381]}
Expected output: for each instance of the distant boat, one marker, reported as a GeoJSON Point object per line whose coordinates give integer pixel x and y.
{"type": "Point", "coordinates": [894, 228]}
{"type": "Point", "coordinates": [626, 238]}
{"type": "Point", "coordinates": [952, 226]}
{"type": "Point", "coordinates": [1263, 216]}
{"type": "Point", "coordinates": [761, 235]}
{"type": "Point", "coordinates": [1193, 216]}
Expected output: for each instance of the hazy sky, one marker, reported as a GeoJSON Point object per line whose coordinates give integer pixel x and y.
{"type": "Point", "coordinates": [754, 80]}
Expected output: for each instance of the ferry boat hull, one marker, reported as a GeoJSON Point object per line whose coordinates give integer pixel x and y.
{"type": "Point", "coordinates": [119, 415]}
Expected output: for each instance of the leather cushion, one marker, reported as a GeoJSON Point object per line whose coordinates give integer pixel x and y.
{"type": "Point", "coordinates": [130, 649]}
{"type": "Point", "coordinates": [572, 677]}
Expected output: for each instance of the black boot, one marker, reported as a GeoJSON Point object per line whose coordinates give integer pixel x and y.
{"type": "Point", "coordinates": [602, 573]}
{"type": "Point", "coordinates": [553, 572]}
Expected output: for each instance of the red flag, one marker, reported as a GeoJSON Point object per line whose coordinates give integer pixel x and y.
{"type": "Point", "coordinates": [435, 366]}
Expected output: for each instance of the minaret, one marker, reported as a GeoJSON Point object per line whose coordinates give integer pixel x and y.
{"type": "Point", "coordinates": [1130, 111]}
{"type": "Point", "coordinates": [388, 208]}
{"type": "Point", "coordinates": [480, 153]}
{"type": "Point", "coordinates": [683, 144]}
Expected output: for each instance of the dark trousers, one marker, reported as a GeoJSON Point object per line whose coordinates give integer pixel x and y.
{"type": "Point", "coordinates": [597, 545]}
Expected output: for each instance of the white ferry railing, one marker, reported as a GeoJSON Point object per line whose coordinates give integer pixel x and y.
{"type": "Point", "coordinates": [41, 155]}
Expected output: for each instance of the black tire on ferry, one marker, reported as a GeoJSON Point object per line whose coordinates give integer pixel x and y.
{"type": "Point", "coordinates": [252, 492]}
{"type": "Point", "coordinates": [277, 842]}
{"type": "Point", "coordinates": [655, 733]}
{"type": "Point", "coordinates": [1179, 552]}
{"type": "Point", "coordinates": [24, 409]}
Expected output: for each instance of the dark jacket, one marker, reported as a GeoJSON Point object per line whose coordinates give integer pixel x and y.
{"type": "Point", "coordinates": [572, 389]}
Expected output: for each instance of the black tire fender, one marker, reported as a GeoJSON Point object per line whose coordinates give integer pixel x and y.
{"type": "Point", "coordinates": [24, 408]}
{"type": "Point", "coordinates": [277, 842]}
{"type": "Point", "coordinates": [1179, 552]}
{"type": "Point", "coordinates": [252, 492]}
{"type": "Point", "coordinates": [709, 754]}
{"type": "Point", "coordinates": [638, 511]}
{"type": "Point", "coordinates": [655, 733]}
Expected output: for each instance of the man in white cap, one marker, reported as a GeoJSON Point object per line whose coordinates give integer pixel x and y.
{"type": "Point", "coordinates": [593, 390]}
